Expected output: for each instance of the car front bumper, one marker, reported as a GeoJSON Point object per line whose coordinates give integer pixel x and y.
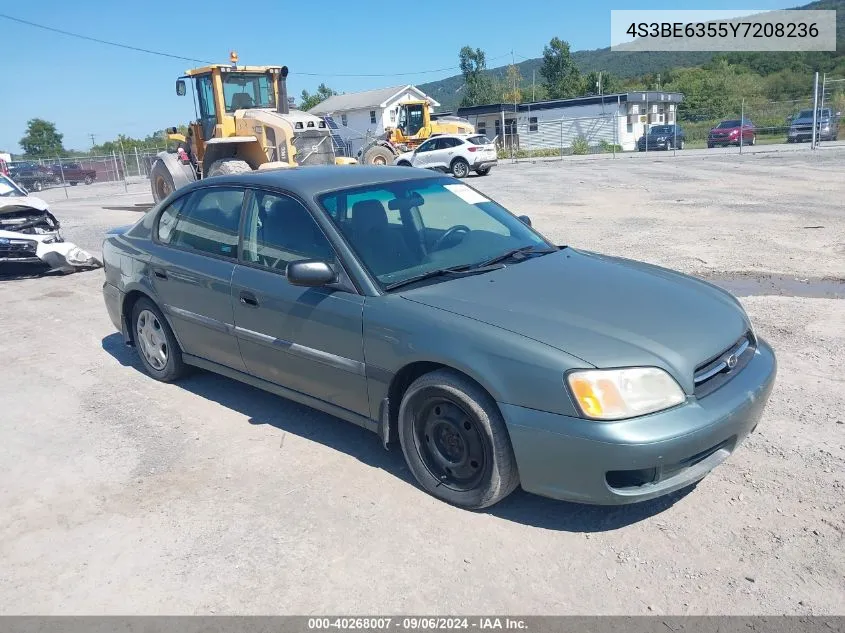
{"type": "Point", "coordinates": [610, 463]}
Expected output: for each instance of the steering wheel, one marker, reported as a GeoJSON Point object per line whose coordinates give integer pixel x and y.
{"type": "Point", "coordinates": [462, 228]}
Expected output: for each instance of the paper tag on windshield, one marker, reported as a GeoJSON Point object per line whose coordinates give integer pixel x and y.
{"type": "Point", "coordinates": [466, 194]}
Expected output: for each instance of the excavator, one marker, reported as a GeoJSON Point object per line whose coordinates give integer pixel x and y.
{"type": "Point", "coordinates": [415, 124]}
{"type": "Point", "coordinates": [243, 122]}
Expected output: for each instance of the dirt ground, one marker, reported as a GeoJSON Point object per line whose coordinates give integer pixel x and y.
{"type": "Point", "coordinates": [121, 495]}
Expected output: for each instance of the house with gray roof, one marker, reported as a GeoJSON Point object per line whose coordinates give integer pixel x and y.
{"type": "Point", "coordinates": [357, 117]}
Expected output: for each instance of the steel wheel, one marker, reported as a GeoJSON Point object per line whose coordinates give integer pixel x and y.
{"type": "Point", "coordinates": [450, 444]}
{"type": "Point", "coordinates": [151, 340]}
{"type": "Point", "coordinates": [379, 160]}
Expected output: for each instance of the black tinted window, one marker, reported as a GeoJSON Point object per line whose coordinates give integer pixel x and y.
{"type": "Point", "coordinates": [279, 230]}
{"type": "Point", "coordinates": [206, 221]}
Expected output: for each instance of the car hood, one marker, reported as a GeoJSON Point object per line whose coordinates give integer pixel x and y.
{"type": "Point", "coordinates": [607, 311]}
{"type": "Point", "coordinates": [9, 204]}
{"type": "Point", "coordinates": [808, 121]}
{"type": "Point", "coordinates": [724, 130]}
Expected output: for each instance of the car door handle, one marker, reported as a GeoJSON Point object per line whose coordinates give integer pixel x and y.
{"type": "Point", "coordinates": [248, 299]}
{"type": "Point", "coordinates": [158, 272]}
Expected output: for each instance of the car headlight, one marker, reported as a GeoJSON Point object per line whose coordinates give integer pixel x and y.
{"type": "Point", "coordinates": [615, 394]}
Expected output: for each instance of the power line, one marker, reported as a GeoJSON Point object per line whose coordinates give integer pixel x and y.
{"type": "Point", "coordinates": [205, 61]}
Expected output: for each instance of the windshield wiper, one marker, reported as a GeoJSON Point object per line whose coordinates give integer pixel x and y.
{"type": "Point", "coordinates": [466, 269]}
{"type": "Point", "coordinates": [523, 250]}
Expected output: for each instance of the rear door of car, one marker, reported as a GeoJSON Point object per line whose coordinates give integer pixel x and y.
{"type": "Point", "coordinates": [306, 339]}
{"type": "Point", "coordinates": [193, 256]}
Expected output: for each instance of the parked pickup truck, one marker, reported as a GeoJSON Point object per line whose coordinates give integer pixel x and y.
{"type": "Point", "coordinates": [33, 176]}
{"type": "Point", "coordinates": [74, 173]}
{"type": "Point", "coordinates": [801, 126]}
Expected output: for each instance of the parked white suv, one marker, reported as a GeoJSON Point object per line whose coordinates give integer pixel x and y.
{"type": "Point", "coordinates": [458, 154]}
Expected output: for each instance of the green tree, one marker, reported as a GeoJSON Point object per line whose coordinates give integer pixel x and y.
{"type": "Point", "coordinates": [308, 101]}
{"type": "Point", "coordinates": [511, 88]}
{"type": "Point", "coordinates": [478, 87]}
{"type": "Point", "coordinates": [42, 140]}
{"type": "Point", "coordinates": [597, 79]}
{"type": "Point", "coordinates": [563, 79]}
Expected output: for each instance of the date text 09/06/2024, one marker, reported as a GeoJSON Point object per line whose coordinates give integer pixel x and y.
{"type": "Point", "coordinates": [416, 623]}
{"type": "Point", "coordinates": [723, 29]}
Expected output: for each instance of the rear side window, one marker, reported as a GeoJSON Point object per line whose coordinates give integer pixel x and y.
{"type": "Point", "coordinates": [479, 140]}
{"type": "Point", "coordinates": [205, 221]}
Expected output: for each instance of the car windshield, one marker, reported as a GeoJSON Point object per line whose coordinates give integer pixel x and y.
{"type": "Point", "coordinates": [804, 114]}
{"type": "Point", "coordinates": [8, 188]}
{"type": "Point", "coordinates": [401, 230]}
{"type": "Point", "coordinates": [247, 90]}
{"type": "Point", "coordinates": [727, 124]}
{"type": "Point", "coordinates": [662, 129]}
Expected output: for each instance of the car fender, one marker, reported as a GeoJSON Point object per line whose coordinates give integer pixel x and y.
{"type": "Point", "coordinates": [512, 368]}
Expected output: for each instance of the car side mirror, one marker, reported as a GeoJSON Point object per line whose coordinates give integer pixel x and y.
{"type": "Point", "coordinates": [525, 219]}
{"type": "Point", "coordinates": [310, 273]}
{"type": "Point", "coordinates": [180, 87]}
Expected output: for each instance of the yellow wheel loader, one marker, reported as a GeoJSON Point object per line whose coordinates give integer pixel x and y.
{"type": "Point", "coordinates": [244, 122]}
{"type": "Point", "coordinates": [415, 124]}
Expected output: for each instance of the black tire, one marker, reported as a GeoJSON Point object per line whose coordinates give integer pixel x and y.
{"type": "Point", "coordinates": [37, 185]}
{"type": "Point", "coordinates": [753, 140]}
{"type": "Point", "coordinates": [459, 168]}
{"type": "Point", "coordinates": [682, 144]}
{"type": "Point", "coordinates": [88, 180]}
{"type": "Point", "coordinates": [73, 184]}
{"type": "Point", "coordinates": [710, 146]}
{"type": "Point", "coordinates": [446, 411]}
{"type": "Point", "coordinates": [226, 166]}
{"type": "Point", "coordinates": [173, 368]}
{"type": "Point", "coordinates": [378, 155]}
{"type": "Point", "coordinates": [404, 163]}
{"type": "Point", "coordinates": [483, 171]}
{"type": "Point", "coordinates": [161, 181]}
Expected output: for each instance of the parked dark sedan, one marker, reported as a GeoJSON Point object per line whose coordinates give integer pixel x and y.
{"type": "Point", "coordinates": [662, 137]}
{"type": "Point", "coordinates": [416, 307]}
{"type": "Point", "coordinates": [732, 132]}
{"type": "Point", "coordinates": [32, 176]}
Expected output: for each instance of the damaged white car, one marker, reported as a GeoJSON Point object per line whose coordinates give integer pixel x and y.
{"type": "Point", "coordinates": [29, 234]}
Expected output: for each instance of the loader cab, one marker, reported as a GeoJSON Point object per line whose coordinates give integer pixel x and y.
{"type": "Point", "coordinates": [412, 118]}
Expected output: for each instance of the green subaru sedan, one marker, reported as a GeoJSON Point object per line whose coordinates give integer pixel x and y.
{"type": "Point", "coordinates": [411, 304]}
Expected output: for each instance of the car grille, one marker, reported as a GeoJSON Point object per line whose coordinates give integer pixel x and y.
{"type": "Point", "coordinates": [718, 370]}
{"type": "Point", "coordinates": [17, 249]}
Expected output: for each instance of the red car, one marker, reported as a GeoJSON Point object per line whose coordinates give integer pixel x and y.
{"type": "Point", "coordinates": [729, 133]}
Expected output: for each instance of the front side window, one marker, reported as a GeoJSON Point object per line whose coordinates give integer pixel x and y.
{"type": "Point", "coordinates": [205, 221]}
{"type": "Point", "coordinates": [403, 229]}
{"type": "Point", "coordinates": [280, 230]}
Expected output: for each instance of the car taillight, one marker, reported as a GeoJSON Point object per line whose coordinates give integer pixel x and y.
{"type": "Point", "coordinates": [473, 148]}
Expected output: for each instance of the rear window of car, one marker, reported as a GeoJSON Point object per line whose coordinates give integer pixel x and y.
{"type": "Point", "coordinates": [479, 140]}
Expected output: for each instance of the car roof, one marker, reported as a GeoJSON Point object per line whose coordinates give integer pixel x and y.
{"type": "Point", "coordinates": [316, 179]}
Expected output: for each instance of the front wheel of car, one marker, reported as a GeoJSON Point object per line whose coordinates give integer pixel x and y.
{"type": "Point", "coordinates": [455, 441]}
{"type": "Point", "coordinates": [403, 163]}
{"type": "Point", "coordinates": [156, 345]}
{"type": "Point", "coordinates": [37, 185]}
{"type": "Point", "coordinates": [88, 180]}
{"type": "Point", "coordinates": [460, 168]}
{"type": "Point", "coordinates": [483, 171]}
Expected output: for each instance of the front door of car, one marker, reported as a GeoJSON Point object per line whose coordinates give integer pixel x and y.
{"type": "Point", "coordinates": [423, 156]}
{"type": "Point", "coordinates": [443, 153]}
{"type": "Point", "coordinates": [194, 254]}
{"type": "Point", "coordinates": [305, 339]}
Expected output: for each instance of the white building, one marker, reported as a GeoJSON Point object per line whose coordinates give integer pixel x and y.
{"type": "Point", "coordinates": [361, 116]}
{"type": "Point", "coordinates": [618, 119]}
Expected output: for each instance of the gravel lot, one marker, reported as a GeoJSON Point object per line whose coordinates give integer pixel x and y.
{"type": "Point", "coordinates": [122, 495]}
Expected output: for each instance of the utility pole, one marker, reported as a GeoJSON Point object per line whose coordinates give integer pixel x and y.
{"type": "Point", "coordinates": [91, 136]}
{"type": "Point", "coordinates": [815, 108]}
{"type": "Point", "coordinates": [533, 80]}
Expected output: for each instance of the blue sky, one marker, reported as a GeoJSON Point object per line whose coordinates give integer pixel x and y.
{"type": "Point", "coordinates": [88, 88]}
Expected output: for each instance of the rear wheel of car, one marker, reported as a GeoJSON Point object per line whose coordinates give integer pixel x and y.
{"type": "Point", "coordinates": [460, 168]}
{"type": "Point", "coordinates": [37, 185]}
{"type": "Point", "coordinates": [226, 166]}
{"type": "Point", "coordinates": [682, 144]}
{"type": "Point", "coordinates": [73, 184]}
{"type": "Point", "coordinates": [88, 180]}
{"type": "Point", "coordinates": [483, 171]}
{"type": "Point", "coordinates": [157, 347]}
{"type": "Point", "coordinates": [710, 146]}
{"type": "Point", "coordinates": [455, 441]}
{"type": "Point", "coordinates": [753, 139]}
